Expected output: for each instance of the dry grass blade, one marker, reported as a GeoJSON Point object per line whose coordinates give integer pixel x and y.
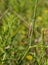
{"type": "Point", "coordinates": [3, 14]}
{"type": "Point", "coordinates": [21, 18]}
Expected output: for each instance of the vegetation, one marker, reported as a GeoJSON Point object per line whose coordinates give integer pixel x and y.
{"type": "Point", "coordinates": [23, 32]}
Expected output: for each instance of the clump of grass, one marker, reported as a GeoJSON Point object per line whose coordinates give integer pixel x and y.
{"type": "Point", "coordinates": [22, 33]}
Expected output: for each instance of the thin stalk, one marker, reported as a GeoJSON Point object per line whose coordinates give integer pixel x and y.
{"type": "Point", "coordinates": [26, 53]}
{"type": "Point", "coordinates": [42, 46]}
{"type": "Point", "coordinates": [33, 23]}
{"type": "Point", "coordinates": [42, 36]}
{"type": "Point", "coordinates": [35, 9]}
{"type": "Point", "coordinates": [42, 40]}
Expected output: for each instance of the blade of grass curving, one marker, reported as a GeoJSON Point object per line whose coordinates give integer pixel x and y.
{"type": "Point", "coordinates": [33, 24]}
{"type": "Point", "coordinates": [35, 9]}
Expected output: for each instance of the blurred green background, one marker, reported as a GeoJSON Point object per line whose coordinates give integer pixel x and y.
{"type": "Point", "coordinates": [16, 17]}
